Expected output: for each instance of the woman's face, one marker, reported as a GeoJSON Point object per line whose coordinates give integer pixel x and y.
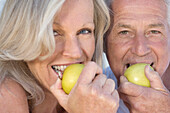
{"type": "Point", "coordinates": [73, 30]}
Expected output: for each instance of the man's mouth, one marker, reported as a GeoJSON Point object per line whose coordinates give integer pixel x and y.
{"type": "Point", "coordinates": [129, 64]}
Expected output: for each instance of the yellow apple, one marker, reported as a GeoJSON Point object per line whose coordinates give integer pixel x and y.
{"type": "Point", "coordinates": [135, 74]}
{"type": "Point", "coordinates": [70, 76]}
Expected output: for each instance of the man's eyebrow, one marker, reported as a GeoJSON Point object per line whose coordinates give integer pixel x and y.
{"type": "Point", "coordinates": [124, 25]}
{"type": "Point", "coordinates": [156, 25]}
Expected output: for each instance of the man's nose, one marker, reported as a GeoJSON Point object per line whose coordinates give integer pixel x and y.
{"type": "Point", "coordinates": [72, 48]}
{"type": "Point", "coordinates": [140, 46]}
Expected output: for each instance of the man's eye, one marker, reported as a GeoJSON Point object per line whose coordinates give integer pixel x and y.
{"type": "Point", "coordinates": [123, 32]}
{"type": "Point", "coordinates": [155, 32]}
{"type": "Point", "coordinates": [126, 34]}
{"type": "Point", "coordinates": [84, 31]}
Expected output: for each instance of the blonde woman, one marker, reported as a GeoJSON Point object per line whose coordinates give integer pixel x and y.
{"type": "Point", "coordinates": [38, 37]}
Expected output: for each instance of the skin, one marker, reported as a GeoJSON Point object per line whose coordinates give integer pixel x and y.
{"type": "Point", "coordinates": [140, 34]}
{"type": "Point", "coordinates": [75, 43]}
{"type": "Point", "coordinates": [166, 78]}
{"type": "Point", "coordinates": [10, 90]}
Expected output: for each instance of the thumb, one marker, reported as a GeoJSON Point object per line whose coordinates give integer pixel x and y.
{"type": "Point", "coordinates": [58, 92]}
{"type": "Point", "coordinates": [154, 78]}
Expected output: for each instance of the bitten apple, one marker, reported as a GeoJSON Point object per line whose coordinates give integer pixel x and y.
{"type": "Point", "coordinates": [70, 76]}
{"type": "Point", "coordinates": [135, 74]}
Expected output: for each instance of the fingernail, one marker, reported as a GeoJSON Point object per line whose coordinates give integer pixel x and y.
{"type": "Point", "coordinates": [122, 78]}
{"type": "Point", "coordinates": [148, 68]}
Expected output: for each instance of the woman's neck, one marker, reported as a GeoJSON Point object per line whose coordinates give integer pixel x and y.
{"type": "Point", "coordinates": [49, 105]}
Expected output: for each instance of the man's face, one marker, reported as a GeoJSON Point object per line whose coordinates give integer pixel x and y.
{"type": "Point", "coordinates": [140, 34]}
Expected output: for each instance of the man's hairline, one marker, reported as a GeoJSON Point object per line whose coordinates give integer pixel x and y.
{"type": "Point", "coordinates": [167, 3]}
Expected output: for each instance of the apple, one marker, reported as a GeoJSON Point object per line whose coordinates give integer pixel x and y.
{"type": "Point", "coordinates": [135, 74]}
{"type": "Point", "coordinates": [70, 76]}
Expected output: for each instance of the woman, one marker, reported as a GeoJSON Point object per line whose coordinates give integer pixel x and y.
{"type": "Point", "coordinates": [39, 37]}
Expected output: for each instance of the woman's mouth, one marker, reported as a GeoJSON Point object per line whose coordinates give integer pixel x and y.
{"type": "Point", "coordinates": [59, 70]}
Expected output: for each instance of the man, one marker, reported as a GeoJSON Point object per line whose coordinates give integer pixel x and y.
{"type": "Point", "coordinates": [140, 33]}
{"type": "Point", "coordinates": [166, 78]}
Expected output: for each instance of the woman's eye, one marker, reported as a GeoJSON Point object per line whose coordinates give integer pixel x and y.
{"type": "Point", "coordinates": [84, 31]}
{"type": "Point", "coordinates": [55, 33]}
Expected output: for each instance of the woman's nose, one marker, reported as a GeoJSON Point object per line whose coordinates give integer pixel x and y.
{"type": "Point", "coordinates": [72, 48]}
{"type": "Point", "coordinates": [140, 46]}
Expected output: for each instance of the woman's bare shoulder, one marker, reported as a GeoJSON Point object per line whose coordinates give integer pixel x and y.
{"type": "Point", "coordinates": [13, 97]}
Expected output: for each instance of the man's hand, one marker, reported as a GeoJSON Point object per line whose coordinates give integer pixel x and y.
{"type": "Point", "coordinates": [141, 99]}
{"type": "Point", "coordinates": [93, 93]}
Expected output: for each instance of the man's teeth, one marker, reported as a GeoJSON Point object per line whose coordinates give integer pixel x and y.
{"type": "Point", "coordinates": [59, 68]}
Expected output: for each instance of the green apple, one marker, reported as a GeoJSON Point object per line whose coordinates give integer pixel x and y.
{"type": "Point", "coordinates": [70, 76]}
{"type": "Point", "coordinates": [135, 74]}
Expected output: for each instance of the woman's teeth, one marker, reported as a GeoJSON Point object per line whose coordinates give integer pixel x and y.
{"type": "Point", "coordinates": [59, 68]}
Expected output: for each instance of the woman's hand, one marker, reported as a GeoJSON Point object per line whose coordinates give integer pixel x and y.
{"type": "Point", "coordinates": [93, 93]}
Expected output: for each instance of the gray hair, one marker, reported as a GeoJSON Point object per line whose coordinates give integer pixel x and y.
{"type": "Point", "coordinates": [167, 2]}
{"type": "Point", "coordinates": [26, 32]}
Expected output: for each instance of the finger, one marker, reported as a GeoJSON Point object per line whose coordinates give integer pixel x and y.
{"type": "Point", "coordinates": [99, 80]}
{"type": "Point", "coordinates": [124, 97]}
{"type": "Point", "coordinates": [131, 89]}
{"type": "Point", "coordinates": [127, 100]}
{"type": "Point", "coordinates": [123, 79]}
{"type": "Point", "coordinates": [154, 78]}
{"type": "Point", "coordinates": [89, 72]}
{"type": "Point", "coordinates": [115, 94]}
{"type": "Point", "coordinates": [58, 92]}
{"type": "Point", "coordinates": [109, 86]}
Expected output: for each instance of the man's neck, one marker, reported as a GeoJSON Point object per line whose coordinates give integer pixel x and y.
{"type": "Point", "coordinates": [166, 78]}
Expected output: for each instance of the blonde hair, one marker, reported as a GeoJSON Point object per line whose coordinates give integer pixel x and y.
{"type": "Point", "coordinates": [26, 32]}
{"type": "Point", "coordinates": [102, 22]}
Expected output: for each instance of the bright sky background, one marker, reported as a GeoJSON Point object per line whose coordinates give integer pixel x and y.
{"type": "Point", "coordinates": [2, 2]}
